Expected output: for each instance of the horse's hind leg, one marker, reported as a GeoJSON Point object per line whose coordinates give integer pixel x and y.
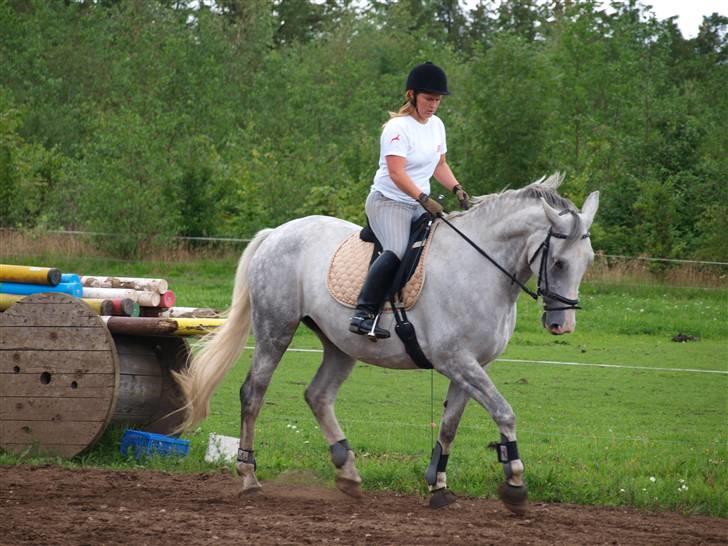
{"type": "Point", "coordinates": [268, 353]}
{"type": "Point", "coordinates": [320, 396]}
{"type": "Point", "coordinates": [435, 475]}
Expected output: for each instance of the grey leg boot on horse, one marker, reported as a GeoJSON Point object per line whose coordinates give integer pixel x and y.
{"type": "Point", "coordinates": [372, 295]}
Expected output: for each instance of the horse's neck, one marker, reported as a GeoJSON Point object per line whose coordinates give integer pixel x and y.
{"type": "Point", "coordinates": [503, 230]}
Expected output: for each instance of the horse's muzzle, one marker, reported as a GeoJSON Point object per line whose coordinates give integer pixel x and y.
{"type": "Point", "coordinates": [558, 322]}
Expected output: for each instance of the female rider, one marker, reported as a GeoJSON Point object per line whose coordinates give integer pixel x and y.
{"type": "Point", "coordinates": [412, 150]}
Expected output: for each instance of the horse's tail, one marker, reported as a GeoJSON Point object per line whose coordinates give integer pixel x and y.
{"type": "Point", "coordinates": [221, 348]}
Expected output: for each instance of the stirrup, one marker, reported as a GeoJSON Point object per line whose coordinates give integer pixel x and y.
{"type": "Point", "coordinates": [365, 323]}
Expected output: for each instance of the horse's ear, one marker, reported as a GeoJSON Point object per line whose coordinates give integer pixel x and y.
{"type": "Point", "coordinates": [560, 223]}
{"type": "Point", "coordinates": [589, 210]}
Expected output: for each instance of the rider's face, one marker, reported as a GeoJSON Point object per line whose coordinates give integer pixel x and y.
{"type": "Point", "coordinates": [427, 104]}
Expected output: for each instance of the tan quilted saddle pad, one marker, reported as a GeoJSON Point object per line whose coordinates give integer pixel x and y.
{"type": "Point", "coordinates": [349, 267]}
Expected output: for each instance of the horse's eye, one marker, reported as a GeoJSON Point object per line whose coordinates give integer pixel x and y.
{"type": "Point", "coordinates": [559, 264]}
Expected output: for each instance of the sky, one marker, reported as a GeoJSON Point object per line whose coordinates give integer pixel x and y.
{"type": "Point", "coordinates": [690, 12]}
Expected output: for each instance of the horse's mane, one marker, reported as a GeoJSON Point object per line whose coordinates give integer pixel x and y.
{"type": "Point", "coordinates": [544, 188]}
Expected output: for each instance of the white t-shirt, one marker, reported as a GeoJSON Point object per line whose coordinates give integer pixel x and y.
{"type": "Point", "coordinates": [421, 144]}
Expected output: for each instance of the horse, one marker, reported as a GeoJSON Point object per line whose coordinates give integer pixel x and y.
{"type": "Point", "coordinates": [465, 316]}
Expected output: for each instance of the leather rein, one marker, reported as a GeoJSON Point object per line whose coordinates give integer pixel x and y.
{"type": "Point", "coordinates": [542, 288]}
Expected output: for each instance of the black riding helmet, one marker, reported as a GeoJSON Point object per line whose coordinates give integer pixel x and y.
{"type": "Point", "coordinates": [428, 78]}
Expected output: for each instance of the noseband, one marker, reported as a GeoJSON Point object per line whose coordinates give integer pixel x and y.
{"type": "Point", "coordinates": [542, 288]}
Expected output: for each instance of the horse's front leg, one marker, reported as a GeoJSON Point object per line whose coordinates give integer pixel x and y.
{"type": "Point", "coordinates": [473, 379]}
{"type": "Point", "coordinates": [435, 475]}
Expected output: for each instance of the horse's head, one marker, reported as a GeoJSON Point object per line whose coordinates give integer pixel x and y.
{"type": "Point", "coordinates": [560, 261]}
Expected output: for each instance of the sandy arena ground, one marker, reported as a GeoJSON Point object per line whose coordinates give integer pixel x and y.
{"type": "Point", "coordinates": [54, 506]}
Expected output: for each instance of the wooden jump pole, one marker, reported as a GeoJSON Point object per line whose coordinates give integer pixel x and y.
{"type": "Point", "coordinates": [7, 300]}
{"type": "Point", "coordinates": [139, 326]}
{"type": "Point", "coordinates": [26, 289]}
{"type": "Point", "coordinates": [196, 326]}
{"type": "Point", "coordinates": [30, 275]}
{"type": "Point", "coordinates": [102, 307]}
{"type": "Point", "coordinates": [124, 307]}
{"type": "Point", "coordinates": [160, 286]}
{"type": "Point", "coordinates": [143, 298]}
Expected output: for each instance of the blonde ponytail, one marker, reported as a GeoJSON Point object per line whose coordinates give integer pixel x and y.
{"type": "Point", "coordinates": [407, 109]}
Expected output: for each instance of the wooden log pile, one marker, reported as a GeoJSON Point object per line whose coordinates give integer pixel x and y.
{"type": "Point", "coordinates": [129, 305]}
{"type": "Point", "coordinates": [65, 375]}
{"type": "Point", "coordinates": [79, 352]}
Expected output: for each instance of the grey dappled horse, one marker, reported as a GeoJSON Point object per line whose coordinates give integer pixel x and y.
{"type": "Point", "coordinates": [464, 318]}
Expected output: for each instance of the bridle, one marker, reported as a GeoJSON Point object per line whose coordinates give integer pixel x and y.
{"type": "Point", "coordinates": [542, 287]}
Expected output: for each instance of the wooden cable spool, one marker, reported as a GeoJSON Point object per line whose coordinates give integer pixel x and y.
{"type": "Point", "coordinates": [64, 377]}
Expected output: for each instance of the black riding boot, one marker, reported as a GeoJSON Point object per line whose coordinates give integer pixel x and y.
{"type": "Point", "coordinates": [372, 295]}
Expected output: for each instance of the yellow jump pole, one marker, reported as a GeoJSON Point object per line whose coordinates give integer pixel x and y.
{"type": "Point", "coordinates": [6, 300]}
{"type": "Point", "coordinates": [102, 307]}
{"type": "Point", "coordinates": [29, 274]}
{"type": "Point", "coordinates": [196, 326]}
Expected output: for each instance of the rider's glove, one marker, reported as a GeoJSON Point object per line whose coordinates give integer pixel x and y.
{"type": "Point", "coordinates": [430, 205]}
{"type": "Point", "coordinates": [462, 197]}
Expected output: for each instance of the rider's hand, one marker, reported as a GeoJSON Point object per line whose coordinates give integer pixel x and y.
{"type": "Point", "coordinates": [462, 197]}
{"type": "Point", "coordinates": [430, 205]}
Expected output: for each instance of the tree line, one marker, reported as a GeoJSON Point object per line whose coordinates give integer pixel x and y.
{"type": "Point", "coordinates": [156, 118]}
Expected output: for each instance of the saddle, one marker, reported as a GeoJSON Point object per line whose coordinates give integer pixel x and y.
{"type": "Point", "coordinates": [350, 264]}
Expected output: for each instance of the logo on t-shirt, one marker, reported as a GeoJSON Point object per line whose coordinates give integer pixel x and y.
{"type": "Point", "coordinates": [394, 138]}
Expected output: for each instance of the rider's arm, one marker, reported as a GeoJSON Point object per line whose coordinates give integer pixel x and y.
{"type": "Point", "coordinates": [443, 174]}
{"type": "Point", "coordinates": [396, 166]}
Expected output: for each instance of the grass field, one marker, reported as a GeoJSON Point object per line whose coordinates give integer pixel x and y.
{"type": "Point", "coordinates": [649, 428]}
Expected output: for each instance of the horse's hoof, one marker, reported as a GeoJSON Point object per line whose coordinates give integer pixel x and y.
{"type": "Point", "coordinates": [250, 491]}
{"type": "Point", "coordinates": [442, 497]}
{"type": "Point", "coordinates": [514, 498]}
{"type": "Point", "coordinates": [349, 487]}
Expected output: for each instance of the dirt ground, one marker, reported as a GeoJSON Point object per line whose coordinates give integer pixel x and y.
{"type": "Point", "coordinates": [52, 505]}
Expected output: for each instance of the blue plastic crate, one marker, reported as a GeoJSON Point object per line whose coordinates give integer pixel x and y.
{"type": "Point", "coordinates": [146, 444]}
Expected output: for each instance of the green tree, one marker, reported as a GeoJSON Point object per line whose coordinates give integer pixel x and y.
{"type": "Point", "coordinates": [509, 102]}
{"type": "Point", "coordinates": [125, 185]}
{"type": "Point", "coordinates": [297, 21]}
{"type": "Point", "coordinates": [232, 115]}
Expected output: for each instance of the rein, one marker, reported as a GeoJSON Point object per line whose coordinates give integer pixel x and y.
{"type": "Point", "coordinates": [483, 253]}
{"type": "Point", "coordinates": [542, 288]}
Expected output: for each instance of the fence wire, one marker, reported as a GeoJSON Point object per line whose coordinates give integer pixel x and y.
{"type": "Point", "coordinates": [241, 241]}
